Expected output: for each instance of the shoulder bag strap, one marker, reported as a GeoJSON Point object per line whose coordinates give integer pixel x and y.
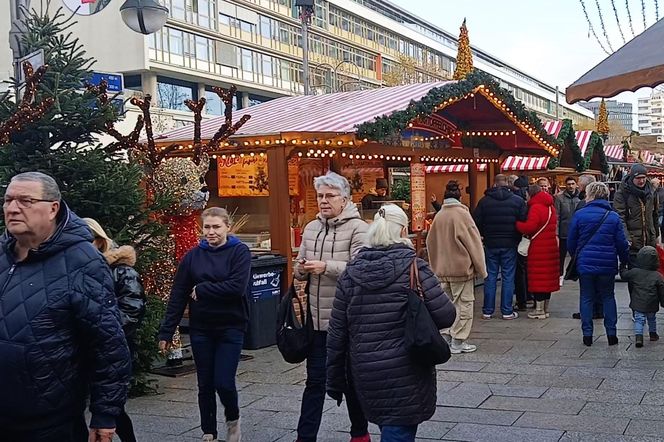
{"type": "Point", "coordinates": [544, 226]}
{"type": "Point", "coordinates": [415, 279]}
{"type": "Point", "coordinates": [594, 231]}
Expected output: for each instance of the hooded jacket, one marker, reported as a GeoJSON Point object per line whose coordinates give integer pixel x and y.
{"type": "Point", "coordinates": [645, 283]}
{"type": "Point", "coordinates": [638, 210]}
{"type": "Point", "coordinates": [334, 241]}
{"type": "Point", "coordinates": [543, 257]}
{"type": "Point", "coordinates": [454, 234]}
{"type": "Point", "coordinates": [565, 204]}
{"type": "Point", "coordinates": [496, 215]}
{"type": "Point", "coordinates": [60, 332]}
{"type": "Point", "coordinates": [600, 252]}
{"type": "Point", "coordinates": [128, 288]}
{"type": "Point", "coordinates": [220, 276]}
{"type": "Point", "coordinates": [367, 331]}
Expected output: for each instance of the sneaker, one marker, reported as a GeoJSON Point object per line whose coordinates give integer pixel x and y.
{"type": "Point", "coordinates": [514, 315]}
{"type": "Point", "coordinates": [447, 338]}
{"type": "Point", "coordinates": [233, 432]}
{"type": "Point", "coordinates": [587, 341]}
{"type": "Point", "coordinates": [562, 279]}
{"type": "Point", "coordinates": [654, 336]}
{"type": "Point", "coordinates": [487, 317]}
{"type": "Point", "coordinates": [639, 341]}
{"type": "Point", "coordinates": [576, 315]}
{"type": "Point", "coordinates": [464, 347]}
{"type": "Point", "coordinates": [209, 438]}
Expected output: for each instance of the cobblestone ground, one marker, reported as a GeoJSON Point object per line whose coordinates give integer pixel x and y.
{"type": "Point", "coordinates": [530, 380]}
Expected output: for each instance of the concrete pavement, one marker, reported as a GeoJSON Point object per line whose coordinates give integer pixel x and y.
{"type": "Point", "coordinates": [530, 380]}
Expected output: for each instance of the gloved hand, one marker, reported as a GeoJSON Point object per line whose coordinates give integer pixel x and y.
{"type": "Point", "coordinates": [336, 395]}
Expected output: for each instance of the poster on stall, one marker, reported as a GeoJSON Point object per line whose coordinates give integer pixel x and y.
{"type": "Point", "coordinates": [248, 176]}
{"type": "Point", "coordinates": [362, 175]}
{"type": "Point", "coordinates": [418, 194]}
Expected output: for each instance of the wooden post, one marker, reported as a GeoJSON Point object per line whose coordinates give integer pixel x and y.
{"type": "Point", "coordinates": [279, 207]}
{"type": "Point", "coordinates": [473, 185]}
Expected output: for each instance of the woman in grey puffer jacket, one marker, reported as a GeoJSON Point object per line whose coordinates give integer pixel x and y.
{"type": "Point", "coordinates": [367, 329]}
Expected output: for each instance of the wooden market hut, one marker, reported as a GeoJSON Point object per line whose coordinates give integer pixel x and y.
{"type": "Point", "coordinates": [467, 122]}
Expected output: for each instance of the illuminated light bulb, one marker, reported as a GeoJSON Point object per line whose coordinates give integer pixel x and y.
{"type": "Point", "coordinates": [294, 141]}
{"type": "Point", "coordinates": [315, 155]}
{"type": "Point", "coordinates": [364, 157]}
{"type": "Point", "coordinates": [246, 143]}
{"type": "Point", "coordinates": [410, 124]}
{"type": "Point", "coordinates": [350, 143]}
{"type": "Point", "coordinates": [226, 144]}
{"type": "Point", "coordinates": [382, 156]}
{"type": "Point", "coordinates": [328, 142]}
{"type": "Point", "coordinates": [365, 140]}
{"type": "Point", "coordinates": [252, 154]}
{"type": "Point", "coordinates": [299, 154]}
{"type": "Point", "coordinates": [325, 151]}
{"type": "Point", "coordinates": [268, 142]}
{"type": "Point", "coordinates": [257, 142]}
{"type": "Point", "coordinates": [315, 141]}
{"type": "Point", "coordinates": [409, 158]}
{"type": "Point", "coordinates": [241, 155]}
{"type": "Point", "coordinates": [334, 152]}
{"type": "Point", "coordinates": [214, 157]}
{"type": "Point", "coordinates": [304, 141]}
{"type": "Point", "coordinates": [223, 157]}
{"type": "Point", "coordinates": [350, 156]}
{"type": "Point", "coordinates": [232, 155]}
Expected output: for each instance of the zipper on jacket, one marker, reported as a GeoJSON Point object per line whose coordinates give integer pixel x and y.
{"type": "Point", "coordinates": [9, 277]}
{"type": "Point", "coordinates": [320, 258]}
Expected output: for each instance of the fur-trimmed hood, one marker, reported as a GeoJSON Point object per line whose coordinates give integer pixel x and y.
{"type": "Point", "coordinates": [123, 255]}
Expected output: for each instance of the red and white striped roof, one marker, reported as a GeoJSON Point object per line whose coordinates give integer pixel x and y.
{"type": "Point", "coordinates": [339, 112]}
{"type": "Point", "coordinates": [614, 152]}
{"type": "Point", "coordinates": [647, 156]}
{"type": "Point", "coordinates": [553, 127]}
{"type": "Point", "coordinates": [525, 163]}
{"type": "Point", "coordinates": [453, 168]}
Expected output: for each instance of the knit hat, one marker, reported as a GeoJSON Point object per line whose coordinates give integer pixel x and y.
{"type": "Point", "coordinates": [521, 182]}
{"type": "Point", "coordinates": [381, 183]}
{"type": "Point", "coordinates": [638, 169]}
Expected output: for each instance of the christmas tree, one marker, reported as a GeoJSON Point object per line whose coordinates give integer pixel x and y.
{"type": "Point", "coordinates": [54, 127]}
{"type": "Point", "coordinates": [464, 61]}
{"type": "Point", "coordinates": [603, 121]}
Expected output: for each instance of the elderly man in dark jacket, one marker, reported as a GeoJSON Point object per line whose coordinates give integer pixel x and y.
{"type": "Point", "coordinates": [60, 332]}
{"type": "Point", "coordinates": [496, 215]}
{"type": "Point", "coordinates": [565, 203]}
{"type": "Point", "coordinates": [636, 203]}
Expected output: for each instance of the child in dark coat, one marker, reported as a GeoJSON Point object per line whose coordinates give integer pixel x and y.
{"type": "Point", "coordinates": [646, 292]}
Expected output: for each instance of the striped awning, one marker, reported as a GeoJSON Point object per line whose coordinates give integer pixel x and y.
{"type": "Point", "coordinates": [614, 152]}
{"type": "Point", "coordinates": [525, 163]}
{"type": "Point", "coordinates": [553, 127]}
{"type": "Point", "coordinates": [453, 168]}
{"type": "Point", "coordinates": [583, 140]}
{"type": "Point", "coordinates": [647, 157]}
{"type": "Point", "coordinates": [338, 112]}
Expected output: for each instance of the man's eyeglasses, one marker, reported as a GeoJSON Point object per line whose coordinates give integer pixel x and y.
{"type": "Point", "coordinates": [23, 202]}
{"type": "Point", "coordinates": [327, 196]}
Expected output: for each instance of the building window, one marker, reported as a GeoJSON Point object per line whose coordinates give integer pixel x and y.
{"type": "Point", "coordinates": [175, 41]}
{"type": "Point", "coordinates": [177, 9]}
{"type": "Point", "coordinates": [214, 105]}
{"type": "Point", "coordinates": [133, 82]}
{"type": "Point", "coordinates": [247, 60]}
{"type": "Point", "coordinates": [202, 48]}
{"type": "Point", "coordinates": [172, 93]}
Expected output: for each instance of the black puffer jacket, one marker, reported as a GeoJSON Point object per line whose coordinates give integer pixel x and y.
{"type": "Point", "coordinates": [646, 285]}
{"type": "Point", "coordinates": [128, 288]}
{"type": "Point", "coordinates": [638, 210]}
{"type": "Point", "coordinates": [60, 328]}
{"type": "Point", "coordinates": [367, 329]}
{"type": "Point", "coordinates": [496, 215]}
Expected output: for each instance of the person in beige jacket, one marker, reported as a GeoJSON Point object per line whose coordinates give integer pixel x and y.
{"type": "Point", "coordinates": [328, 244]}
{"type": "Point", "coordinates": [457, 257]}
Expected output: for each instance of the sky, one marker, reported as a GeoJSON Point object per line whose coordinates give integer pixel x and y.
{"type": "Point", "coordinates": [547, 39]}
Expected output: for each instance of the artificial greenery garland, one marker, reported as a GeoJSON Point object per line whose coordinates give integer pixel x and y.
{"type": "Point", "coordinates": [567, 139]}
{"type": "Point", "coordinates": [385, 126]}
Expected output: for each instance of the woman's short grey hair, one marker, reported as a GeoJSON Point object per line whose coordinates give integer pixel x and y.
{"type": "Point", "coordinates": [512, 179]}
{"type": "Point", "coordinates": [335, 181]}
{"type": "Point", "coordinates": [597, 191]}
{"type": "Point", "coordinates": [586, 179]}
{"type": "Point", "coordinates": [50, 189]}
{"type": "Point", "coordinates": [386, 228]}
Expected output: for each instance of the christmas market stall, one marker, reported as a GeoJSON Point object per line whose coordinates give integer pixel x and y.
{"type": "Point", "coordinates": [264, 170]}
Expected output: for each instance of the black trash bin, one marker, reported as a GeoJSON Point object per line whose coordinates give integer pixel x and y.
{"type": "Point", "coordinates": [267, 272]}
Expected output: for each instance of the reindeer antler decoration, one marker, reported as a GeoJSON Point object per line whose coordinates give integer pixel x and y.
{"type": "Point", "coordinates": [26, 112]}
{"type": "Point", "coordinates": [225, 131]}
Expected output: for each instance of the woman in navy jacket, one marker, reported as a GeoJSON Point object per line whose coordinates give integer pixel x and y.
{"type": "Point", "coordinates": [213, 280]}
{"type": "Point", "coordinates": [597, 261]}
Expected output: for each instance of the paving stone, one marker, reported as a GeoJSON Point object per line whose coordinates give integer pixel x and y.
{"type": "Point", "coordinates": [556, 381]}
{"type": "Point", "coordinates": [590, 424]}
{"type": "Point", "coordinates": [563, 361]}
{"type": "Point", "coordinates": [516, 391]}
{"type": "Point", "coordinates": [584, 394]}
{"type": "Point", "coordinates": [493, 433]}
{"type": "Point", "coordinates": [446, 386]}
{"type": "Point", "coordinates": [523, 369]}
{"type": "Point", "coordinates": [465, 395]}
{"type": "Point", "coordinates": [652, 412]}
{"type": "Point", "coordinates": [641, 385]}
{"type": "Point", "coordinates": [455, 364]}
{"type": "Point", "coordinates": [653, 399]}
{"type": "Point", "coordinates": [641, 427]}
{"type": "Point", "coordinates": [610, 373]}
{"type": "Point", "coordinates": [475, 377]}
{"type": "Point", "coordinates": [640, 363]}
{"type": "Point", "coordinates": [272, 378]}
{"type": "Point", "coordinates": [274, 390]}
{"type": "Point", "coordinates": [433, 430]}
{"type": "Point", "coordinates": [474, 415]}
{"type": "Point", "coordinates": [558, 406]}
{"type": "Point", "coordinates": [481, 356]}
{"type": "Point", "coordinates": [572, 436]}
{"type": "Point", "coordinates": [275, 403]}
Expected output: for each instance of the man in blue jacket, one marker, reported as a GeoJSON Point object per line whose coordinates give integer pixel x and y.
{"type": "Point", "coordinates": [60, 333]}
{"type": "Point", "coordinates": [496, 215]}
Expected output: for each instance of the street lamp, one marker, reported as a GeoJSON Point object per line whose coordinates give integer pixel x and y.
{"type": "Point", "coordinates": [306, 11]}
{"type": "Point", "coordinates": [144, 16]}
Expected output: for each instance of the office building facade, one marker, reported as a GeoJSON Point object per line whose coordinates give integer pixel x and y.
{"type": "Point", "coordinates": [651, 115]}
{"type": "Point", "coordinates": [618, 111]}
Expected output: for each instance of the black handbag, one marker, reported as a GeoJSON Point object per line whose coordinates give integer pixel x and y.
{"type": "Point", "coordinates": [423, 339]}
{"type": "Point", "coordinates": [294, 338]}
{"type": "Point", "coordinates": [571, 272]}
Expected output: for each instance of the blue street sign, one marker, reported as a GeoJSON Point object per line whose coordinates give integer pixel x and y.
{"type": "Point", "coordinates": [115, 81]}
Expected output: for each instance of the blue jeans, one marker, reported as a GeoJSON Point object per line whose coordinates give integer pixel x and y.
{"type": "Point", "coordinates": [640, 322]}
{"type": "Point", "coordinates": [598, 288]}
{"type": "Point", "coordinates": [505, 261]}
{"type": "Point", "coordinates": [217, 355]}
{"type": "Point", "coordinates": [313, 398]}
{"type": "Point", "coordinates": [398, 433]}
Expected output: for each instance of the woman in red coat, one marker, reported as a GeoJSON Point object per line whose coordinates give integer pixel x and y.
{"type": "Point", "coordinates": [543, 257]}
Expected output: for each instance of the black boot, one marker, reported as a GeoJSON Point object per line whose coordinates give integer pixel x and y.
{"type": "Point", "coordinates": [587, 341]}
{"type": "Point", "coordinates": [639, 341]}
{"type": "Point", "coordinates": [654, 336]}
{"type": "Point", "coordinates": [613, 340]}
{"type": "Point", "coordinates": [576, 315]}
